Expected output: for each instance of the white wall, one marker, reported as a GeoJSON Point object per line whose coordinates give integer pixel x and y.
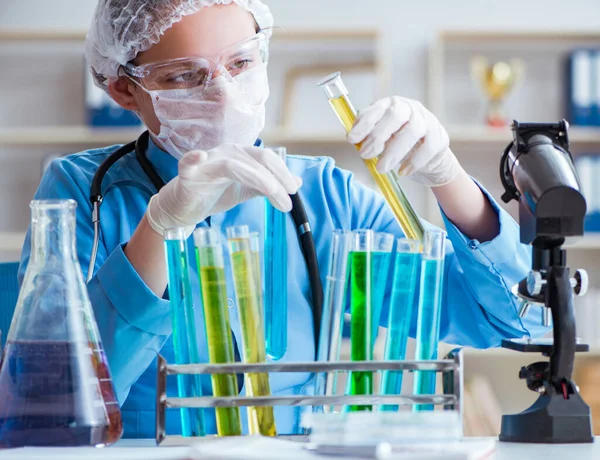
{"type": "Point", "coordinates": [33, 90]}
{"type": "Point", "coordinates": [408, 25]}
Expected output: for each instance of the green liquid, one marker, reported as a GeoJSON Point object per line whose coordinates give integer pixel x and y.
{"type": "Point", "coordinates": [220, 342]}
{"type": "Point", "coordinates": [361, 383]}
{"type": "Point", "coordinates": [261, 420]}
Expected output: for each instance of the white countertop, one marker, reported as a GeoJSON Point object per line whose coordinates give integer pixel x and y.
{"type": "Point", "coordinates": [146, 450]}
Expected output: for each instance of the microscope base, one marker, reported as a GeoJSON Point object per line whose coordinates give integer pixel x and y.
{"type": "Point", "coordinates": [552, 420]}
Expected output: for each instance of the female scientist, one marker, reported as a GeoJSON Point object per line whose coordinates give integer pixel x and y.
{"type": "Point", "coordinates": [195, 71]}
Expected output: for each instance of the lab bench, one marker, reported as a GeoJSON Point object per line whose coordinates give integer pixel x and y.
{"type": "Point", "coordinates": [147, 450]}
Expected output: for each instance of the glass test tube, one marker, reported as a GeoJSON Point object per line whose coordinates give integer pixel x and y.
{"type": "Point", "coordinates": [430, 304]}
{"type": "Point", "coordinates": [389, 183]}
{"type": "Point", "coordinates": [256, 252]}
{"type": "Point", "coordinates": [361, 383]}
{"type": "Point", "coordinates": [209, 252]}
{"type": "Point", "coordinates": [380, 270]}
{"type": "Point", "coordinates": [184, 326]}
{"type": "Point", "coordinates": [261, 420]}
{"type": "Point", "coordinates": [275, 280]}
{"type": "Point", "coordinates": [404, 288]}
{"type": "Point", "coordinates": [381, 257]}
{"type": "Point", "coordinates": [332, 321]}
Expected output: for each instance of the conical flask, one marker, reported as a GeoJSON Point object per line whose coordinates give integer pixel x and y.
{"type": "Point", "coordinates": [55, 386]}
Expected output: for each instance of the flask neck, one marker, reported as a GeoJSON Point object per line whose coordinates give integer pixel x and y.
{"type": "Point", "coordinates": [52, 230]}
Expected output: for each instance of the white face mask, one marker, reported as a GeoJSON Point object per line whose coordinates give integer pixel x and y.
{"type": "Point", "coordinates": [224, 113]}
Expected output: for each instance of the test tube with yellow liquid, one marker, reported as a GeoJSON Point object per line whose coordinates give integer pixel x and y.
{"type": "Point", "coordinates": [389, 183]}
{"type": "Point", "coordinates": [209, 252]}
{"type": "Point", "coordinates": [248, 291]}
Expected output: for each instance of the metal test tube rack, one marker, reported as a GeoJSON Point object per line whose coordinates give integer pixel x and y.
{"type": "Point", "coordinates": [451, 368]}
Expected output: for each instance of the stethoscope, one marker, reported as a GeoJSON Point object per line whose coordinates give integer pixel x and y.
{"type": "Point", "coordinates": [298, 212]}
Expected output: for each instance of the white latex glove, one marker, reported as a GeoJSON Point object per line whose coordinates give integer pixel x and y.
{"type": "Point", "coordinates": [217, 180]}
{"type": "Point", "coordinates": [412, 140]}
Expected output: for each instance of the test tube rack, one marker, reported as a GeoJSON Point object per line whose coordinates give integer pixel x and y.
{"type": "Point", "coordinates": [451, 399]}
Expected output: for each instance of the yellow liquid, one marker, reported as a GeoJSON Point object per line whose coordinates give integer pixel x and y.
{"type": "Point", "coordinates": [261, 420]}
{"type": "Point", "coordinates": [387, 183]}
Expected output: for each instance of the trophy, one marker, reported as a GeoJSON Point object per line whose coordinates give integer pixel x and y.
{"type": "Point", "coordinates": [497, 80]}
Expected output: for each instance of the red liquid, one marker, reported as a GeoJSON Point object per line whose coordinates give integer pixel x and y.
{"type": "Point", "coordinates": [56, 394]}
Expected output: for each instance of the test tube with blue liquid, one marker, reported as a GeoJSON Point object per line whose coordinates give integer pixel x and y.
{"type": "Point", "coordinates": [430, 304]}
{"type": "Point", "coordinates": [404, 289]}
{"type": "Point", "coordinates": [184, 326]}
{"type": "Point", "coordinates": [275, 278]}
{"type": "Point", "coordinates": [383, 244]}
{"type": "Point", "coordinates": [334, 304]}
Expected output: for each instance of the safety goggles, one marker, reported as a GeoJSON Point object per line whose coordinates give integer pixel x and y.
{"type": "Point", "coordinates": [197, 72]}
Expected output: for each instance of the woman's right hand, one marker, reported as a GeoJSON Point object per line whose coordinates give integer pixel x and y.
{"type": "Point", "coordinates": [217, 180]}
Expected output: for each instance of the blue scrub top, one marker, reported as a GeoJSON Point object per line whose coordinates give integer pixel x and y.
{"type": "Point", "coordinates": [135, 325]}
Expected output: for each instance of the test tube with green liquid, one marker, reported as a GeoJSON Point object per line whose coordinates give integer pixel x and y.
{"type": "Point", "coordinates": [430, 304]}
{"type": "Point", "coordinates": [361, 344]}
{"type": "Point", "coordinates": [209, 252]}
{"type": "Point", "coordinates": [332, 322]}
{"type": "Point", "coordinates": [184, 326]}
{"type": "Point", "coordinates": [381, 256]}
{"type": "Point", "coordinates": [246, 280]}
{"type": "Point", "coordinates": [275, 279]}
{"type": "Point", "coordinates": [404, 288]}
{"type": "Point", "coordinates": [389, 183]}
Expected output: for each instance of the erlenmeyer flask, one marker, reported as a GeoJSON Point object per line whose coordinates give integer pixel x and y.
{"type": "Point", "coordinates": [55, 386]}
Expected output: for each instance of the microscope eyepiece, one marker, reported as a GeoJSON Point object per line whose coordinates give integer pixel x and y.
{"type": "Point", "coordinates": [537, 170]}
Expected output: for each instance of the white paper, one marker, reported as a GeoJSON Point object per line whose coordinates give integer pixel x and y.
{"type": "Point", "coordinates": [250, 448]}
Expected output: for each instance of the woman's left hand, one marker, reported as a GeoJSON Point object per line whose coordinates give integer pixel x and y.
{"type": "Point", "coordinates": [409, 139]}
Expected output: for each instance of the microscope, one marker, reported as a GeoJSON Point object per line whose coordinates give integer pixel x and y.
{"type": "Point", "coordinates": [537, 170]}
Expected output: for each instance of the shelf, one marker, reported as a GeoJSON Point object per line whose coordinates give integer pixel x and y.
{"type": "Point", "coordinates": [285, 138]}
{"type": "Point", "coordinates": [283, 34]}
{"type": "Point", "coordinates": [480, 134]}
{"type": "Point", "coordinates": [516, 35]}
{"type": "Point", "coordinates": [588, 242]}
{"type": "Point", "coordinates": [503, 353]}
{"type": "Point", "coordinates": [11, 241]}
{"type": "Point", "coordinates": [67, 135]}
{"type": "Point", "coordinates": [42, 35]}
{"type": "Point", "coordinates": [83, 135]}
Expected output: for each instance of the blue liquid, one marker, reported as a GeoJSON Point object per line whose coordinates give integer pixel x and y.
{"type": "Point", "coordinates": [184, 332]}
{"type": "Point", "coordinates": [275, 282]}
{"type": "Point", "coordinates": [50, 396]}
{"type": "Point", "coordinates": [380, 270]}
{"type": "Point", "coordinates": [404, 289]}
{"type": "Point", "coordinates": [428, 325]}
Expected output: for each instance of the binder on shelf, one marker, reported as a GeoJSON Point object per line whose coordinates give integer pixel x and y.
{"type": "Point", "coordinates": [581, 87]}
{"type": "Point", "coordinates": [588, 166]}
{"type": "Point", "coordinates": [102, 111]}
{"type": "Point", "coordinates": [593, 220]}
{"type": "Point", "coordinates": [596, 88]}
